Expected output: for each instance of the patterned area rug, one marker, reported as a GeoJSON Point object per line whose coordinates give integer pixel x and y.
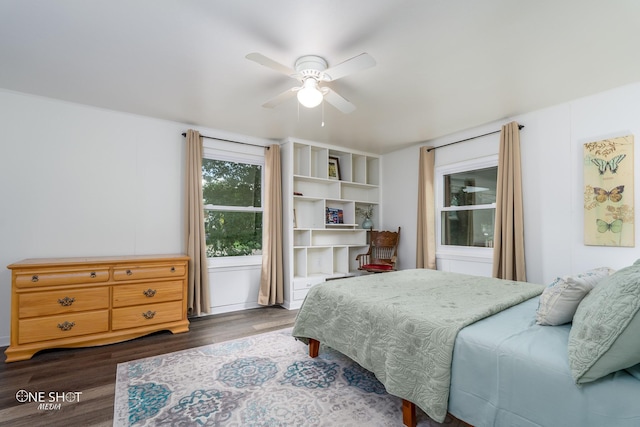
{"type": "Point", "coordinates": [264, 380]}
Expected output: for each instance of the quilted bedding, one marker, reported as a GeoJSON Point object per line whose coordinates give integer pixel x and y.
{"type": "Point", "coordinates": [402, 325]}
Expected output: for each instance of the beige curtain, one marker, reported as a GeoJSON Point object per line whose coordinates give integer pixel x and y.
{"type": "Point", "coordinates": [198, 286]}
{"type": "Point", "coordinates": [271, 279]}
{"type": "Point", "coordinates": [508, 252]}
{"type": "Point", "coordinates": [426, 235]}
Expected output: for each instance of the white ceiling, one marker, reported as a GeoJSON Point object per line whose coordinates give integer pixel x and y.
{"type": "Point", "coordinates": [442, 65]}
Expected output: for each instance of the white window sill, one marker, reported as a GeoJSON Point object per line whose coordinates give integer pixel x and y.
{"type": "Point", "coordinates": [466, 254]}
{"type": "Point", "coordinates": [234, 261]}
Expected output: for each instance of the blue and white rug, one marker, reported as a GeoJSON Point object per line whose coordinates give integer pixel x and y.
{"type": "Point", "coordinates": [263, 380]}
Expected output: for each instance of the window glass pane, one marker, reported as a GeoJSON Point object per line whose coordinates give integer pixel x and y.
{"type": "Point", "coordinates": [468, 227]}
{"type": "Point", "coordinates": [476, 187]}
{"type": "Point", "coordinates": [226, 183]}
{"type": "Point", "coordinates": [233, 233]}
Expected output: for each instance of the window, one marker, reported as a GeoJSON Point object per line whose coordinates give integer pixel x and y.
{"type": "Point", "coordinates": [466, 196]}
{"type": "Point", "coordinates": [232, 194]}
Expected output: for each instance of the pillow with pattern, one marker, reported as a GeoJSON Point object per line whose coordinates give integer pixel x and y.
{"type": "Point", "coordinates": [605, 335]}
{"type": "Point", "coordinates": [559, 301]}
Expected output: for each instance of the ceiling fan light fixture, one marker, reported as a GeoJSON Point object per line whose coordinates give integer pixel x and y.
{"type": "Point", "coordinates": [310, 95]}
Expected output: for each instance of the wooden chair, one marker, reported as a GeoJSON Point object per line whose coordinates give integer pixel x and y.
{"type": "Point", "coordinates": [382, 254]}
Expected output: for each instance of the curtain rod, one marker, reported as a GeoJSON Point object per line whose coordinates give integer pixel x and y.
{"type": "Point", "coordinates": [468, 139]}
{"type": "Point", "coordinates": [228, 140]}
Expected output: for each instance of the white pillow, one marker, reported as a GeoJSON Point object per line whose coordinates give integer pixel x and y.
{"type": "Point", "coordinates": [559, 301]}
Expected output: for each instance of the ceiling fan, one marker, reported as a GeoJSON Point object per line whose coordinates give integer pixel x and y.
{"type": "Point", "coordinates": [311, 71]}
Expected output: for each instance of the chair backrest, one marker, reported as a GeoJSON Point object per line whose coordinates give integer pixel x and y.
{"type": "Point", "coordinates": [384, 245]}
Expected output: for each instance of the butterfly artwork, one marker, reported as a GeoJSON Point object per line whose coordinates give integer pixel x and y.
{"type": "Point", "coordinates": [608, 207]}
{"type": "Point", "coordinates": [612, 164]}
{"type": "Point", "coordinates": [614, 226]}
{"type": "Point", "coordinates": [615, 194]}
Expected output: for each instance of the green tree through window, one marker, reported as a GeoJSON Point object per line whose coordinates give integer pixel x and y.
{"type": "Point", "coordinates": [232, 194]}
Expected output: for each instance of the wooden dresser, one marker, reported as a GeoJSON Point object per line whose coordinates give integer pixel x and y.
{"type": "Point", "coordinates": [77, 302]}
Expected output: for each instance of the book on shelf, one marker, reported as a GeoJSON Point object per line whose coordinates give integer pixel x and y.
{"type": "Point", "coordinates": [335, 216]}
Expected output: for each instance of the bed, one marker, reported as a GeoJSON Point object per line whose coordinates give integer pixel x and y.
{"type": "Point", "coordinates": [469, 346]}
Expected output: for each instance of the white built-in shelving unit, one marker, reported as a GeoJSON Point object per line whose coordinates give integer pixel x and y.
{"type": "Point", "coordinates": [315, 250]}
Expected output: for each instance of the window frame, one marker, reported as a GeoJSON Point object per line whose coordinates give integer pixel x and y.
{"type": "Point", "coordinates": [456, 251]}
{"type": "Point", "coordinates": [252, 155]}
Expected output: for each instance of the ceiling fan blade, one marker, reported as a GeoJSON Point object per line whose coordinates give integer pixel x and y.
{"type": "Point", "coordinates": [338, 101]}
{"type": "Point", "coordinates": [270, 63]}
{"type": "Point", "coordinates": [350, 66]}
{"type": "Point", "coordinates": [279, 99]}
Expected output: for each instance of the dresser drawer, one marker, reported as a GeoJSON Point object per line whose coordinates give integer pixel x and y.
{"type": "Point", "coordinates": [147, 314]}
{"type": "Point", "coordinates": [149, 271]}
{"type": "Point", "coordinates": [62, 326]}
{"type": "Point", "coordinates": [32, 304]}
{"type": "Point", "coordinates": [147, 293]}
{"type": "Point", "coordinates": [61, 277]}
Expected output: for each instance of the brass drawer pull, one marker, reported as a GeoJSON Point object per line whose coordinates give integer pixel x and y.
{"type": "Point", "coordinates": [34, 278]}
{"type": "Point", "coordinates": [66, 326]}
{"type": "Point", "coordinates": [93, 275]}
{"type": "Point", "coordinates": [129, 272]}
{"type": "Point", "coordinates": [173, 269]}
{"type": "Point", "coordinates": [66, 301]}
{"type": "Point", "coordinates": [149, 314]}
{"type": "Point", "coordinates": [149, 293]}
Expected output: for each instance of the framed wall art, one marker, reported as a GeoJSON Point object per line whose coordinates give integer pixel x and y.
{"type": "Point", "coordinates": [608, 192]}
{"type": "Point", "coordinates": [334, 168]}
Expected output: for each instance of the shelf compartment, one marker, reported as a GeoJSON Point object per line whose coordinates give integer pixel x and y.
{"type": "Point", "coordinates": [345, 164]}
{"type": "Point", "coordinates": [301, 159]}
{"type": "Point", "coordinates": [359, 192]}
{"type": "Point", "coordinates": [318, 188]}
{"type": "Point", "coordinates": [300, 262]}
{"type": "Point", "coordinates": [319, 261]}
{"type": "Point", "coordinates": [309, 213]}
{"type": "Point", "coordinates": [373, 171]}
{"type": "Point", "coordinates": [348, 210]}
{"type": "Point", "coordinates": [374, 218]}
{"type": "Point", "coordinates": [366, 169]}
{"type": "Point", "coordinates": [335, 237]}
{"type": "Point", "coordinates": [341, 260]}
{"type": "Point", "coordinates": [301, 238]}
{"type": "Point", "coordinates": [319, 162]}
{"type": "Point", "coordinates": [360, 169]}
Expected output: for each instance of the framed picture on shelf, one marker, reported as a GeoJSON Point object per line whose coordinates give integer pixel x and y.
{"type": "Point", "coordinates": [334, 168]}
{"type": "Point", "coordinates": [335, 216]}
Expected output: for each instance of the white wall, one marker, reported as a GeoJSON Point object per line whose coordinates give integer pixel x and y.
{"type": "Point", "coordinates": [551, 144]}
{"type": "Point", "coordinates": [84, 181]}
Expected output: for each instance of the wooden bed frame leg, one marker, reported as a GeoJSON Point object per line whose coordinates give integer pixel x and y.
{"type": "Point", "coordinates": [314, 348]}
{"type": "Point", "coordinates": [409, 413]}
{"type": "Point", "coordinates": [408, 408]}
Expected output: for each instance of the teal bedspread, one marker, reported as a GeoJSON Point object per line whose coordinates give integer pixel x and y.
{"type": "Point", "coordinates": [402, 325]}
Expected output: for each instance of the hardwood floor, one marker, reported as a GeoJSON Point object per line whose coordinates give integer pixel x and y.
{"type": "Point", "coordinates": [92, 370]}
